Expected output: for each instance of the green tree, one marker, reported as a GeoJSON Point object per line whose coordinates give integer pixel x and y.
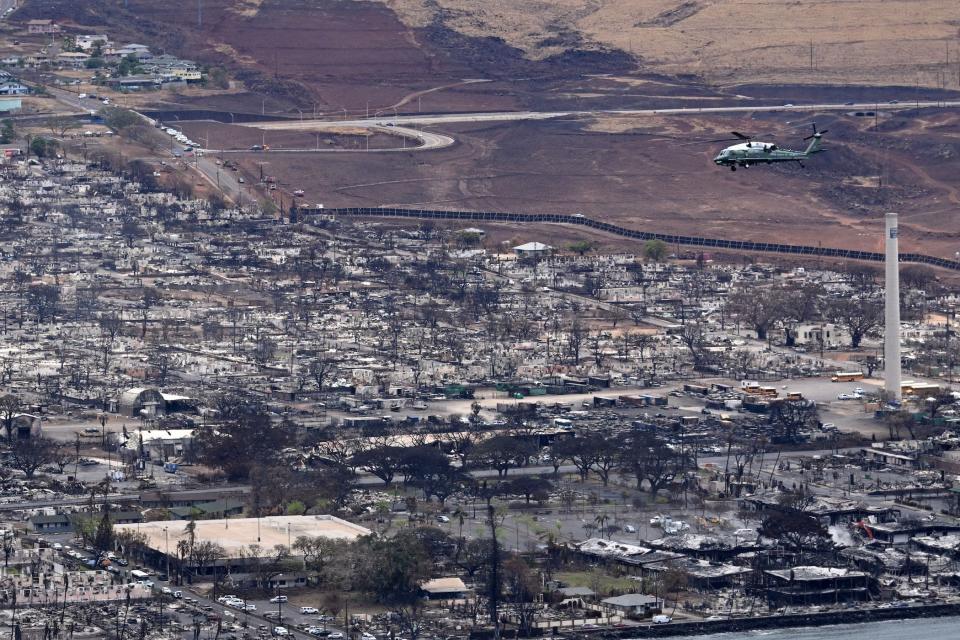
{"type": "Point", "coordinates": [655, 250]}
{"type": "Point", "coordinates": [43, 147]}
{"type": "Point", "coordinates": [247, 438]}
{"type": "Point", "coordinates": [581, 247]}
{"type": "Point", "coordinates": [296, 508]}
{"type": "Point", "coordinates": [795, 530]}
{"type": "Point", "coordinates": [119, 119]}
{"type": "Point", "coordinates": [7, 132]}
{"type": "Point", "coordinates": [503, 453]}
{"type": "Point", "coordinates": [103, 538]}
{"type": "Point", "coordinates": [319, 554]}
{"type": "Point", "coordinates": [392, 569]}
{"type": "Point", "coordinates": [130, 65]}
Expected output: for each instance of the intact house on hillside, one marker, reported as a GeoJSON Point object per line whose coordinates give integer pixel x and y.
{"type": "Point", "coordinates": [42, 26]}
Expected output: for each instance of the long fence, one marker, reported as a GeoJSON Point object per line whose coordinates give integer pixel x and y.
{"type": "Point", "coordinates": [606, 227]}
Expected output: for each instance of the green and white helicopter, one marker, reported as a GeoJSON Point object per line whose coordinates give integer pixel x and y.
{"type": "Point", "coordinates": [750, 152]}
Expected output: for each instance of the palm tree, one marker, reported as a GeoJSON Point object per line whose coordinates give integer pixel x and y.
{"type": "Point", "coordinates": [601, 521]}
{"type": "Point", "coordinates": [461, 517]}
{"type": "Point", "coordinates": [183, 552]}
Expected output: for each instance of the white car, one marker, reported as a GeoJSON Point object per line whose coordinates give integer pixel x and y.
{"type": "Point", "coordinates": [443, 519]}
{"type": "Point", "coordinates": [167, 590]}
{"type": "Point", "coordinates": [249, 607]}
{"type": "Point", "coordinates": [846, 396]}
{"type": "Point", "coordinates": [280, 631]}
{"type": "Point", "coordinates": [367, 636]}
{"type": "Point", "coordinates": [276, 599]}
{"type": "Point", "coordinates": [336, 635]}
{"type": "Point", "coordinates": [309, 610]}
{"type": "Point", "coordinates": [662, 619]}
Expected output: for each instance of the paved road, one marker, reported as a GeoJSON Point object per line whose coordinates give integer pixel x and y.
{"type": "Point", "coordinates": [86, 105]}
{"type": "Point", "coordinates": [424, 140]}
{"type": "Point", "coordinates": [549, 115]}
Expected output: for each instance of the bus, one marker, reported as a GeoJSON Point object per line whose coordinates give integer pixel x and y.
{"type": "Point", "coordinates": [847, 376]}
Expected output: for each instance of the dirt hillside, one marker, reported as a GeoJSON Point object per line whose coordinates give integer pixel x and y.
{"type": "Point", "coordinates": [887, 42]}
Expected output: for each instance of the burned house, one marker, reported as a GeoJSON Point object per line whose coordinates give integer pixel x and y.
{"type": "Point", "coordinates": [809, 585]}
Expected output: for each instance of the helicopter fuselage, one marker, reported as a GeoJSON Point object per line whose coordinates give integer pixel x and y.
{"type": "Point", "coordinates": [751, 152]}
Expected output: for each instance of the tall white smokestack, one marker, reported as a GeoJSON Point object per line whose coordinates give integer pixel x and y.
{"type": "Point", "coordinates": [891, 333]}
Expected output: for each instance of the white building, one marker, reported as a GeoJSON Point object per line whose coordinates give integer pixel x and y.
{"type": "Point", "coordinates": [812, 334]}
{"type": "Point", "coordinates": [532, 249]}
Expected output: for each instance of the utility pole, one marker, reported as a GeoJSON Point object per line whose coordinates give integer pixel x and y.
{"type": "Point", "coordinates": [494, 571]}
{"type": "Point", "coordinates": [199, 14]}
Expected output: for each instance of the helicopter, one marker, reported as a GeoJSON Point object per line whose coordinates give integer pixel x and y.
{"type": "Point", "coordinates": [751, 151]}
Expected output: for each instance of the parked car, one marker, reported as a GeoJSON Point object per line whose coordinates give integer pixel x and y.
{"type": "Point", "coordinates": [280, 631]}
{"type": "Point", "coordinates": [276, 599]}
{"type": "Point", "coordinates": [309, 610]}
{"type": "Point", "coordinates": [662, 619]}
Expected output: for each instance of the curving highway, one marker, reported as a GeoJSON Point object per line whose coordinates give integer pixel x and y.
{"type": "Point", "coordinates": [425, 140]}
{"type": "Point", "coordinates": [432, 141]}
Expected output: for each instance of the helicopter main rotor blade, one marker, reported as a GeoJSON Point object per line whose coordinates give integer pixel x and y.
{"type": "Point", "coordinates": [687, 144]}
{"type": "Point", "coordinates": [818, 133]}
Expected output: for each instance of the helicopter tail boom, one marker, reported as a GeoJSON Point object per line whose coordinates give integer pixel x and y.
{"type": "Point", "coordinates": [815, 141]}
{"type": "Point", "coordinates": [814, 146]}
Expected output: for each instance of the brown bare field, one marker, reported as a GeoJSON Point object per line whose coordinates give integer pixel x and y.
{"type": "Point", "coordinates": [643, 175]}
{"type": "Point", "coordinates": [878, 42]}
{"type": "Point", "coordinates": [327, 56]}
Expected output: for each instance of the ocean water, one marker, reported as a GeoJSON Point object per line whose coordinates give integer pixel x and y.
{"type": "Point", "coordinates": [914, 629]}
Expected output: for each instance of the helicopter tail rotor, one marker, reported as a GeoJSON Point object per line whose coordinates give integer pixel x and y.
{"type": "Point", "coordinates": [816, 134]}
